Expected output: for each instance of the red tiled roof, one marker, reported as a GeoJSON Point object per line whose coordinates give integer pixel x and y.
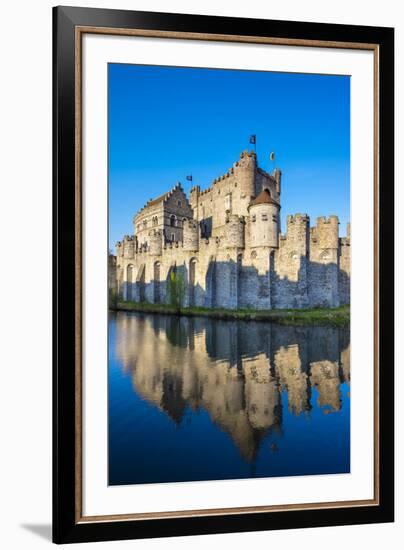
{"type": "Point", "coordinates": [264, 198]}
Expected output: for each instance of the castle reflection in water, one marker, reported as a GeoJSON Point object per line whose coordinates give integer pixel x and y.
{"type": "Point", "coordinates": [235, 371]}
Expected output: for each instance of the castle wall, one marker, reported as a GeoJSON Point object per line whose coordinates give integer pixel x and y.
{"type": "Point", "coordinates": [293, 276]}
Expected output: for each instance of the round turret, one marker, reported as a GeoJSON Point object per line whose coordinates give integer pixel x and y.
{"type": "Point", "coordinates": [190, 235]}
{"type": "Point", "coordinates": [264, 220]}
{"type": "Point", "coordinates": [244, 171]}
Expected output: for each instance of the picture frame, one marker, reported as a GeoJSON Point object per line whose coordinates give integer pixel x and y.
{"type": "Point", "coordinates": [70, 25]}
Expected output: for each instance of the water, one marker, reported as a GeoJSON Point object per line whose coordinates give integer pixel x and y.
{"type": "Point", "coordinates": [202, 399]}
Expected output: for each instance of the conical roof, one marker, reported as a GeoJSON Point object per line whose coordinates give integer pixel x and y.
{"type": "Point", "coordinates": [264, 198]}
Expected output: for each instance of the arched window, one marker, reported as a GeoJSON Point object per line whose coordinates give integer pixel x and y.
{"type": "Point", "coordinates": [172, 220]}
{"type": "Point", "coordinates": [144, 224]}
{"type": "Point", "coordinates": [325, 255]}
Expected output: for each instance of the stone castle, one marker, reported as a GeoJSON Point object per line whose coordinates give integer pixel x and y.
{"type": "Point", "coordinates": [225, 245]}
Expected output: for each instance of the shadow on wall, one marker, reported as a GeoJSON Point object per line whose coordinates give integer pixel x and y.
{"type": "Point", "coordinates": [232, 285]}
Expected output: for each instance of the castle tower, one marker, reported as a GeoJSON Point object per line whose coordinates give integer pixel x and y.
{"type": "Point", "coordinates": [190, 235]}
{"type": "Point", "coordinates": [298, 233]}
{"type": "Point", "coordinates": [194, 199]}
{"type": "Point", "coordinates": [155, 242]}
{"type": "Point", "coordinates": [294, 263]}
{"type": "Point", "coordinates": [128, 247]}
{"type": "Point", "coordinates": [264, 221]}
{"type": "Point", "coordinates": [245, 170]}
{"type": "Point", "coordinates": [327, 237]}
{"type": "Point", "coordinates": [235, 231]}
{"type": "Point", "coordinates": [324, 251]}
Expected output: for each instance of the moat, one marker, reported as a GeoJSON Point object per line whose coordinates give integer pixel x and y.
{"type": "Point", "coordinates": [196, 398]}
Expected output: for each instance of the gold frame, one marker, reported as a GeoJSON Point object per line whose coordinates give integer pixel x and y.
{"type": "Point", "coordinates": [80, 31]}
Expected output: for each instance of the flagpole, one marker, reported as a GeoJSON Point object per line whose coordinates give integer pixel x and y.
{"type": "Point", "coordinates": [253, 140]}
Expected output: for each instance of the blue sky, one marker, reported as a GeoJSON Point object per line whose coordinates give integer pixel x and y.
{"type": "Point", "coordinates": [168, 122]}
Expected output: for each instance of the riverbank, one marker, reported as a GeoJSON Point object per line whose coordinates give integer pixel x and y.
{"type": "Point", "coordinates": [338, 316]}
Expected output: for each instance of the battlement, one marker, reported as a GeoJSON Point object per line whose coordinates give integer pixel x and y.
{"type": "Point", "coordinates": [246, 154]}
{"type": "Point", "coordinates": [332, 219]}
{"type": "Point", "coordinates": [170, 245]}
{"type": "Point", "coordinates": [297, 219]}
{"type": "Point", "coordinates": [324, 235]}
{"type": "Point", "coordinates": [195, 191]}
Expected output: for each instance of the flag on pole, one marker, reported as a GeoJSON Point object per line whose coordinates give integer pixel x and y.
{"type": "Point", "coordinates": [189, 178]}
{"type": "Point", "coordinates": [253, 139]}
{"type": "Point", "coordinates": [272, 155]}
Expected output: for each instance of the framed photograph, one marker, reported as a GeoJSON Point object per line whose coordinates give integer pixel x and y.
{"type": "Point", "coordinates": [223, 275]}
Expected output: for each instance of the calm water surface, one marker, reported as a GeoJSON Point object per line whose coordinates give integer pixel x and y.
{"type": "Point", "coordinates": [201, 399]}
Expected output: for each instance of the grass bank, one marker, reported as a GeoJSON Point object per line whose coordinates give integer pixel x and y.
{"type": "Point", "coordinates": [338, 316]}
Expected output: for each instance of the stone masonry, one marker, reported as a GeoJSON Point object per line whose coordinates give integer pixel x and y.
{"type": "Point", "coordinates": [226, 245]}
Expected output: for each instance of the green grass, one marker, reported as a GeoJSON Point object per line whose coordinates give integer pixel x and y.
{"type": "Point", "coordinates": [338, 316]}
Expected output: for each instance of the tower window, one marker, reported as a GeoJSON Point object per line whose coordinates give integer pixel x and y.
{"type": "Point", "coordinates": [264, 217]}
{"type": "Point", "coordinates": [253, 218]}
